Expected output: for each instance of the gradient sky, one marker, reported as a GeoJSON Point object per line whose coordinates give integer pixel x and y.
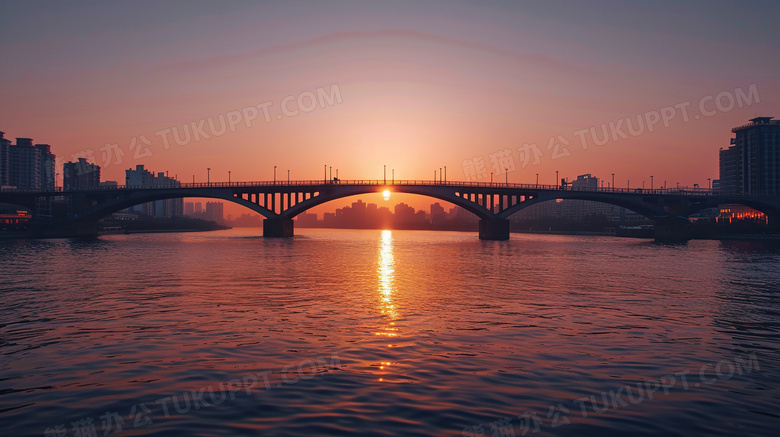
{"type": "Point", "coordinates": [423, 84]}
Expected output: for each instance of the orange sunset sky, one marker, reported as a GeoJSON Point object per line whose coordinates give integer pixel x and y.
{"type": "Point", "coordinates": [420, 85]}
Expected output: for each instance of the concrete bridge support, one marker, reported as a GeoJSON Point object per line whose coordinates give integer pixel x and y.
{"type": "Point", "coordinates": [277, 227]}
{"type": "Point", "coordinates": [493, 229]}
{"type": "Point", "coordinates": [672, 231]}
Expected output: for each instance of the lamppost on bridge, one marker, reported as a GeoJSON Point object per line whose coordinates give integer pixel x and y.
{"type": "Point", "coordinates": [491, 177]}
{"type": "Point", "coordinates": [506, 176]}
{"type": "Point", "coordinates": [228, 176]}
{"type": "Point", "coordinates": [274, 174]}
{"type": "Point", "coordinates": [537, 179]}
{"type": "Point", "coordinates": [445, 174]}
{"type": "Point", "coordinates": [613, 181]}
{"type": "Point", "coordinates": [393, 173]}
{"type": "Point", "coordinates": [325, 173]}
{"type": "Point", "coordinates": [288, 176]}
{"type": "Point", "coordinates": [651, 182]}
{"type": "Point", "coordinates": [440, 174]}
{"type": "Point", "coordinates": [556, 177]}
{"type": "Point", "coordinates": [384, 177]}
{"type": "Point", "coordinates": [208, 175]}
{"type": "Point", "coordinates": [709, 183]}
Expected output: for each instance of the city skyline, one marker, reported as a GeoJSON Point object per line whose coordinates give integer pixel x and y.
{"type": "Point", "coordinates": [82, 165]}
{"type": "Point", "coordinates": [417, 101]}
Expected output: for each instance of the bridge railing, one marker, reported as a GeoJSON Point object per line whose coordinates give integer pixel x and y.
{"type": "Point", "coordinates": [390, 183]}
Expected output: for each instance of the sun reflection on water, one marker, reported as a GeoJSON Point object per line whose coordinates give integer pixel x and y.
{"type": "Point", "coordinates": [386, 289]}
{"type": "Point", "coordinates": [386, 273]}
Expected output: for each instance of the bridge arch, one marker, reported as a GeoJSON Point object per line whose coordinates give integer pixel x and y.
{"type": "Point", "coordinates": [108, 204]}
{"type": "Point", "coordinates": [440, 193]}
{"type": "Point", "coordinates": [651, 210]}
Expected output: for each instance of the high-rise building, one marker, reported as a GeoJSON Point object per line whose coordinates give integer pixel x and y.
{"type": "Point", "coordinates": [5, 144]}
{"type": "Point", "coordinates": [751, 165]}
{"type": "Point", "coordinates": [437, 214]}
{"type": "Point", "coordinates": [26, 166]}
{"type": "Point", "coordinates": [214, 212]}
{"type": "Point", "coordinates": [24, 169]}
{"type": "Point", "coordinates": [585, 182]}
{"type": "Point", "coordinates": [80, 175]}
{"type": "Point", "coordinates": [142, 178]}
{"type": "Point", "coordinates": [47, 168]}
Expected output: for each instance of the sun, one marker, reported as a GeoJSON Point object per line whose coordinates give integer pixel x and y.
{"type": "Point", "coordinates": [386, 194]}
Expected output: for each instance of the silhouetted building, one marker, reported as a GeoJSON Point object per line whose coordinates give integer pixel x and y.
{"type": "Point", "coordinates": [143, 178]}
{"type": "Point", "coordinates": [48, 172]}
{"type": "Point", "coordinates": [585, 182]}
{"type": "Point", "coordinates": [5, 144]}
{"type": "Point", "coordinates": [214, 212]}
{"type": "Point", "coordinates": [26, 166]}
{"type": "Point", "coordinates": [80, 175]}
{"type": "Point", "coordinates": [437, 214]}
{"type": "Point", "coordinates": [751, 165]}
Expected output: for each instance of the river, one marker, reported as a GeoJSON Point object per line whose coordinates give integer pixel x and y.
{"type": "Point", "coordinates": [368, 332]}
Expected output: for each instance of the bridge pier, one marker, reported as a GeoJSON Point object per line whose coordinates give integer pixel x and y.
{"type": "Point", "coordinates": [677, 231]}
{"type": "Point", "coordinates": [277, 228]}
{"type": "Point", "coordinates": [493, 229]}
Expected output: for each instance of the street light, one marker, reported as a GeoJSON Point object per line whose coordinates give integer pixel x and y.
{"type": "Point", "coordinates": [288, 176]}
{"type": "Point", "coordinates": [445, 174]}
{"type": "Point", "coordinates": [537, 179]}
{"type": "Point", "coordinates": [208, 175]}
{"type": "Point", "coordinates": [440, 174]}
{"type": "Point", "coordinates": [384, 180]}
{"type": "Point", "coordinates": [228, 176]}
{"type": "Point", "coordinates": [651, 182]}
{"type": "Point", "coordinates": [709, 183]}
{"type": "Point", "coordinates": [506, 173]}
{"type": "Point", "coordinates": [274, 174]}
{"type": "Point", "coordinates": [491, 177]}
{"type": "Point", "coordinates": [613, 181]}
{"type": "Point", "coordinates": [556, 177]}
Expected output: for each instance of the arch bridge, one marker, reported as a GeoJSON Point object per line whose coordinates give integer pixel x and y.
{"type": "Point", "coordinates": [279, 202]}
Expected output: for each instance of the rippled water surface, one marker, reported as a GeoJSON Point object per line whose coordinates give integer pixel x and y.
{"type": "Point", "coordinates": [387, 333]}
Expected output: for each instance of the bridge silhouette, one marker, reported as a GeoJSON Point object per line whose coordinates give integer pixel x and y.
{"type": "Point", "coordinates": [280, 201]}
